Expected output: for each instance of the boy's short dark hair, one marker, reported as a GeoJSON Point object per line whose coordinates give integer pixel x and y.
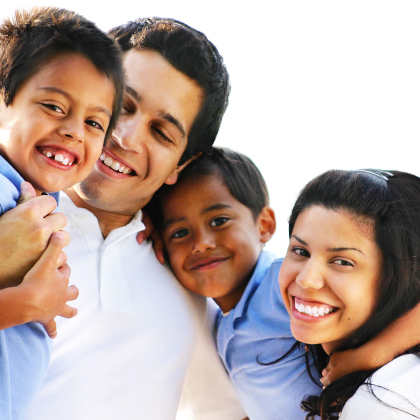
{"type": "Point", "coordinates": [37, 36]}
{"type": "Point", "coordinates": [190, 52]}
{"type": "Point", "coordinates": [236, 171]}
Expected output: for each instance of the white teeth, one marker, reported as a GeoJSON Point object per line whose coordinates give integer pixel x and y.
{"type": "Point", "coordinates": [115, 166]}
{"type": "Point", "coordinates": [314, 311]}
{"type": "Point", "coordinates": [108, 161]}
{"type": "Point", "coordinates": [59, 157]}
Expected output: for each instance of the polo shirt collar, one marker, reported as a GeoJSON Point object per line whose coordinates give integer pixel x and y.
{"type": "Point", "coordinates": [264, 262]}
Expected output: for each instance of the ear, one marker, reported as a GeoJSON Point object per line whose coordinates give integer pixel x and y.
{"type": "Point", "coordinates": [173, 177]}
{"type": "Point", "coordinates": [266, 224]}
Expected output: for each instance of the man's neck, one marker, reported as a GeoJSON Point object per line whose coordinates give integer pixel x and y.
{"type": "Point", "coordinates": [107, 221]}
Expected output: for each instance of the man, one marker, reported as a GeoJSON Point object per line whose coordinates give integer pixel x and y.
{"type": "Point", "coordinates": [127, 352]}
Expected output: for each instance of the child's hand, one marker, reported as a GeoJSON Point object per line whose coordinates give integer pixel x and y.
{"type": "Point", "coordinates": [24, 235]}
{"type": "Point", "coordinates": [151, 233]}
{"type": "Point", "coordinates": [46, 285]}
{"type": "Point", "coordinates": [401, 335]}
{"type": "Point", "coordinates": [335, 369]}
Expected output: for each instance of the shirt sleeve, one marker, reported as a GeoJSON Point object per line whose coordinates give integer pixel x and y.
{"type": "Point", "coordinates": [208, 393]}
{"type": "Point", "coordinates": [365, 406]}
{"type": "Point", "coordinates": [8, 195]}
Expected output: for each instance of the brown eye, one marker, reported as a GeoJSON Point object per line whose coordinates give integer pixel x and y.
{"type": "Point", "coordinates": [180, 233]}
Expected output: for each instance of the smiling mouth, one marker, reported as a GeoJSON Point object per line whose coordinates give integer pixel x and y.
{"type": "Point", "coordinates": [312, 309]}
{"type": "Point", "coordinates": [207, 263]}
{"type": "Point", "coordinates": [58, 155]}
{"type": "Point", "coordinates": [116, 166]}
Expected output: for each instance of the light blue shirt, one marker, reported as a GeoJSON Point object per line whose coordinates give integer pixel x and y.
{"type": "Point", "coordinates": [258, 330]}
{"type": "Point", "coordinates": [24, 349]}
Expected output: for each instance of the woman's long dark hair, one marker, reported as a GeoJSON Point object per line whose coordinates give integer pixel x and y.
{"type": "Point", "coordinates": [391, 201]}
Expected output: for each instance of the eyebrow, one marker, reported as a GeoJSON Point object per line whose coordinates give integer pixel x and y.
{"type": "Point", "coordinates": [171, 119]}
{"type": "Point", "coordinates": [339, 249]}
{"type": "Point", "coordinates": [162, 114]}
{"type": "Point", "coordinates": [133, 93]}
{"type": "Point", "coordinates": [218, 206]}
{"type": "Point", "coordinates": [70, 98]}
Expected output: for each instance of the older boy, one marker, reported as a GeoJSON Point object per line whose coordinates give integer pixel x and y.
{"type": "Point", "coordinates": [61, 81]}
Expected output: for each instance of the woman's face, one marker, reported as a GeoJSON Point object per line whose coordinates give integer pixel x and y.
{"type": "Point", "coordinates": [329, 277]}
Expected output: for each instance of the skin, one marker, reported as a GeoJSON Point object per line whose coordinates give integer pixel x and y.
{"type": "Point", "coordinates": [332, 262]}
{"type": "Point", "coordinates": [160, 106]}
{"type": "Point", "coordinates": [57, 111]}
{"type": "Point", "coordinates": [213, 240]}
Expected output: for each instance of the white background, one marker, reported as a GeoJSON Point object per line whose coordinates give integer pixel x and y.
{"type": "Point", "coordinates": [316, 85]}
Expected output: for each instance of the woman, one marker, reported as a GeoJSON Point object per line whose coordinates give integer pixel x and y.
{"type": "Point", "coordinates": [352, 268]}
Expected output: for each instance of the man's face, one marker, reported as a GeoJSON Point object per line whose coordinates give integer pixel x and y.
{"type": "Point", "coordinates": [160, 106]}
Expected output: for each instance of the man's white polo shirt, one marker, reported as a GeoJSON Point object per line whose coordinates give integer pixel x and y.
{"type": "Point", "coordinates": [126, 353]}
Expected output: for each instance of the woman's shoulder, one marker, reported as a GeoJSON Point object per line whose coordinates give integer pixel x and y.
{"type": "Point", "coordinates": [392, 393]}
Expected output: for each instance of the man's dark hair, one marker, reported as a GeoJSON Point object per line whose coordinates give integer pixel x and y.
{"type": "Point", "coordinates": [190, 52]}
{"type": "Point", "coordinates": [35, 37]}
{"type": "Point", "coordinates": [236, 171]}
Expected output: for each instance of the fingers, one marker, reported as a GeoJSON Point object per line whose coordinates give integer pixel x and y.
{"type": "Point", "coordinates": [50, 327]}
{"type": "Point", "coordinates": [62, 259]}
{"type": "Point", "coordinates": [68, 312]}
{"type": "Point", "coordinates": [141, 237]}
{"type": "Point", "coordinates": [27, 192]}
{"type": "Point", "coordinates": [38, 206]}
{"type": "Point", "coordinates": [53, 252]}
{"type": "Point", "coordinates": [325, 380]}
{"type": "Point", "coordinates": [72, 293]}
{"type": "Point", "coordinates": [148, 229]}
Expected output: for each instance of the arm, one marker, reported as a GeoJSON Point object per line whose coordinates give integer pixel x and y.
{"type": "Point", "coordinates": [44, 291]}
{"type": "Point", "coordinates": [401, 335]}
{"type": "Point", "coordinates": [24, 234]}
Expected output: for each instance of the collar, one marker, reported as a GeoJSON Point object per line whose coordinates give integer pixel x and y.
{"type": "Point", "coordinates": [82, 216]}
{"type": "Point", "coordinates": [264, 262]}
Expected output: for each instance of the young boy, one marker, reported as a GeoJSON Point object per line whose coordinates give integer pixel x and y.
{"type": "Point", "coordinates": [61, 83]}
{"type": "Point", "coordinates": [214, 222]}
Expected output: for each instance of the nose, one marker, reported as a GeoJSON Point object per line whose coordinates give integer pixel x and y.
{"type": "Point", "coordinates": [131, 134]}
{"type": "Point", "coordinates": [203, 240]}
{"type": "Point", "coordinates": [311, 276]}
{"type": "Point", "coordinates": [73, 128]}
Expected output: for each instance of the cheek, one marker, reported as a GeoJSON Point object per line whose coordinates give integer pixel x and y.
{"type": "Point", "coordinates": [176, 258]}
{"type": "Point", "coordinates": [285, 279]}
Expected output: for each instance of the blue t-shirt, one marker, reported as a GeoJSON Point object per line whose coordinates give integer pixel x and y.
{"type": "Point", "coordinates": [24, 349]}
{"type": "Point", "coordinates": [258, 330]}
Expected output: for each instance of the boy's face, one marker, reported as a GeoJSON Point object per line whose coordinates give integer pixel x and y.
{"type": "Point", "coordinates": [53, 130]}
{"type": "Point", "coordinates": [160, 106]}
{"type": "Point", "coordinates": [212, 240]}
